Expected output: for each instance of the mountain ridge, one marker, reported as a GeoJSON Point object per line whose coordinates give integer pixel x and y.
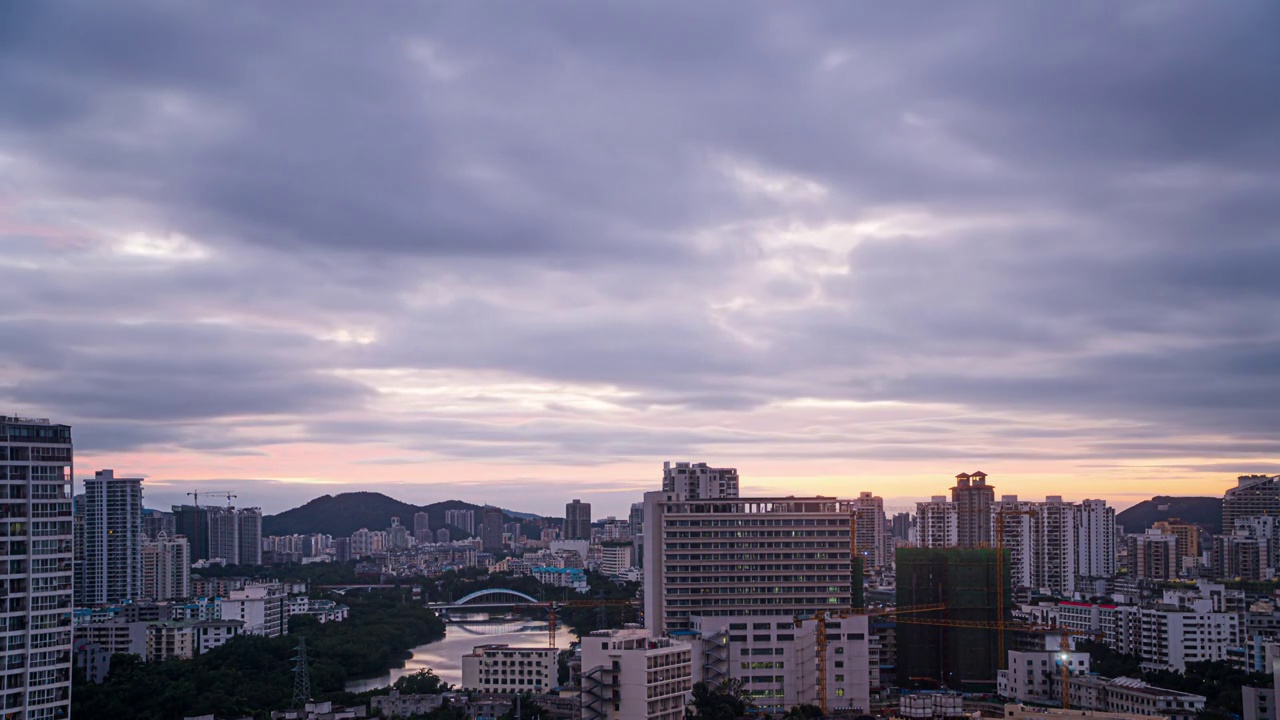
{"type": "Point", "coordinates": [345, 513]}
{"type": "Point", "coordinates": [1206, 511]}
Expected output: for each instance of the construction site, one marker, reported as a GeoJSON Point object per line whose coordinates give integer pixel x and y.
{"type": "Point", "coordinates": [962, 646]}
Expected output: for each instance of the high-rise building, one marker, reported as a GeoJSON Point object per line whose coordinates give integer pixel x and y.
{"type": "Point", "coordinates": [166, 568]}
{"type": "Point", "coordinates": [422, 528]}
{"type": "Point", "coordinates": [1095, 540]}
{"type": "Point", "coordinates": [1153, 555]}
{"type": "Point", "coordinates": [112, 538]}
{"type": "Point", "coordinates": [1242, 557]}
{"type": "Point", "coordinates": [224, 534]}
{"type": "Point", "coordinates": [748, 576]}
{"type": "Point", "coordinates": [249, 532]}
{"type": "Point", "coordinates": [491, 530]}
{"type": "Point", "coordinates": [745, 556]}
{"type": "Point", "coordinates": [1253, 495]}
{"type": "Point", "coordinates": [698, 481]}
{"type": "Point", "coordinates": [903, 526]}
{"type": "Point", "coordinates": [937, 523]}
{"type": "Point", "coordinates": [637, 530]}
{"type": "Point", "coordinates": [969, 583]}
{"type": "Point", "coordinates": [973, 497]}
{"type": "Point", "coordinates": [577, 521]}
{"type": "Point", "coordinates": [155, 522]}
{"type": "Point", "coordinates": [35, 540]}
{"type": "Point", "coordinates": [461, 519]}
{"type": "Point", "coordinates": [192, 522]}
{"type": "Point", "coordinates": [872, 537]}
{"type": "Point", "coordinates": [397, 535]}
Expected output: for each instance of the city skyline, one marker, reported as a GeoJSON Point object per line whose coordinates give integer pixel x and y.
{"type": "Point", "coordinates": [841, 249]}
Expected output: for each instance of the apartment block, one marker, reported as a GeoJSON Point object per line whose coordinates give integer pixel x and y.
{"type": "Point", "coordinates": [973, 498]}
{"type": "Point", "coordinates": [627, 675]}
{"type": "Point", "coordinates": [264, 609]}
{"type": "Point", "coordinates": [874, 545]}
{"type": "Point", "coordinates": [1036, 676]}
{"type": "Point", "coordinates": [113, 538]}
{"type": "Point", "coordinates": [1134, 697]}
{"type": "Point", "coordinates": [461, 519]}
{"type": "Point", "coordinates": [166, 568]}
{"type": "Point", "coordinates": [746, 556]}
{"type": "Point", "coordinates": [778, 659]}
{"type": "Point", "coordinates": [937, 523]}
{"type": "Point", "coordinates": [1253, 496]}
{"type": "Point", "coordinates": [36, 540]}
{"type": "Point", "coordinates": [1153, 555]}
{"type": "Point", "coordinates": [577, 520]}
{"type": "Point", "coordinates": [507, 669]}
{"type": "Point", "coordinates": [694, 481]}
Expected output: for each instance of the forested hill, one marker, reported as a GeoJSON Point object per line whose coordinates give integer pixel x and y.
{"type": "Point", "coordinates": [346, 513]}
{"type": "Point", "coordinates": [1206, 511]}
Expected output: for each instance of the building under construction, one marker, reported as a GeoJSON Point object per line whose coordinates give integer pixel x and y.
{"type": "Point", "coordinates": [960, 647]}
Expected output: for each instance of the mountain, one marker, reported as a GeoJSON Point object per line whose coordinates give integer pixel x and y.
{"type": "Point", "coordinates": [1206, 511]}
{"type": "Point", "coordinates": [345, 513]}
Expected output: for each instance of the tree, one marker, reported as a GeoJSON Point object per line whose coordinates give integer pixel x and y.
{"type": "Point", "coordinates": [724, 702]}
{"type": "Point", "coordinates": [423, 682]}
{"type": "Point", "coordinates": [803, 712]}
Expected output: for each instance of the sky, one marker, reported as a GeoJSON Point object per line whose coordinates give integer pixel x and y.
{"type": "Point", "coordinates": [524, 253]}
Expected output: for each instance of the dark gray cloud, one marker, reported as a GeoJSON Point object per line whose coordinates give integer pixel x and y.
{"type": "Point", "coordinates": [578, 232]}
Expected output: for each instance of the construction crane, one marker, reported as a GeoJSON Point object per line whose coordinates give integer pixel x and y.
{"type": "Point", "coordinates": [551, 607]}
{"type": "Point", "coordinates": [820, 634]}
{"type": "Point", "coordinates": [1000, 626]}
{"type": "Point", "coordinates": [228, 495]}
{"type": "Point", "coordinates": [195, 494]}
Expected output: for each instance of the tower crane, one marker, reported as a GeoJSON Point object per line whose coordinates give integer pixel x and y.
{"type": "Point", "coordinates": [227, 495]}
{"type": "Point", "coordinates": [552, 618]}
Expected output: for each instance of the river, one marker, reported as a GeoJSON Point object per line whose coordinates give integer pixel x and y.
{"type": "Point", "coordinates": [444, 656]}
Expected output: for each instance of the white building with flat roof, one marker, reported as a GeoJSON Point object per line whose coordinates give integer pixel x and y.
{"type": "Point", "coordinates": [627, 675]}
{"type": "Point", "coordinates": [506, 669]}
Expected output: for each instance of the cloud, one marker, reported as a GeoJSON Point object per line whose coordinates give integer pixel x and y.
{"type": "Point", "coordinates": [595, 236]}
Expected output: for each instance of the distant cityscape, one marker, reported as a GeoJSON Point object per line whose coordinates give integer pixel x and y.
{"type": "Point", "coordinates": [839, 604]}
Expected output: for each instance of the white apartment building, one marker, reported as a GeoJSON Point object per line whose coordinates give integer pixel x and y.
{"type": "Point", "coordinates": [937, 523]}
{"type": "Point", "coordinates": [506, 669]}
{"type": "Point", "coordinates": [184, 639]}
{"type": "Point", "coordinates": [263, 609]}
{"type": "Point", "coordinates": [1164, 637]}
{"type": "Point", "coordinates": [695, 481]}
{"type": "Point", "coordinates": [112, 538]}
{"type": "Point", "coordinates": [1095, 539]}
{"type": "Point", "coordinates": [166, 568]}
{"type": "Point", "coordinates": [616, 558]}
{"type": "Point", "coordinates": [872, 535]}
{"type": "Point", "coordinates": [461, 519]}
{"type": "Point", "coordinates": [1036, 676]}
{"type": "Point", "coordinates": [754, 557]}
{"type": "Point", "coordinates": [627, 675]}
{"type": "Point", "coordinates": [572, 578]}
{"type": "Point", "coordinates": [36, 541]}
{"type": "Point", "coordinates": [777, 659]}
{"type": "Point", "coordinates": [1153, 555]}
{"type": "Point", "coordinates": [1041, 540]}
{"type": "Point", "coordinates": [323, 611]}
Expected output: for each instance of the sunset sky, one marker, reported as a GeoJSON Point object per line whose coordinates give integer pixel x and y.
{"type": "Point", "coordinates": [523, 253]}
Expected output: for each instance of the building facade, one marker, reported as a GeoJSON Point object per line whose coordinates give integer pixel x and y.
{"type": "Point", "coordinates": [973, 498]}
{"type": "Point", "coordinates": [507, 669]}
{"type": "Point", "coordinates": [695, 481]}
{"type": "Point", "coordinates": [745, 556]}
{"type": "Point", "coordinates": [1253, 495]}
{"type": "Point", "coordinates": [113, 538]}
{"type": "Point", "coordinates": [491, 530]}
{"type": "Point", "coordinates": [627, 675]}
{"type": "Point", "coordinates": [872, 534]}
{"type": "Point", "coordinates": [937, 523]}
{"type": "Point", "coordinates": [577, 521]}
{"type": "Point", "coordinates": [36, 539]}
{"type": "Point", "coordinates": [166, 568]}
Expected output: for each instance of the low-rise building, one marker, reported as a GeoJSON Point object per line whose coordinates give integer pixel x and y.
{"type": "Point", "coordinates": [184, 639]}
{"type": "Point", "coordinates": [1133, 697]}
{"type": "Point", "coordinates": [1022, 712]}
{"type": "Point", "coordinates": [503, 668]}
{"type": "Point", "coordinates": [627, 675]}
{"type": "Point", "coordinates": [562, 577]}
{"type": "Point", "coordinates": [395, 704]}
{"type": "Point", "coordinates": [321, 609]}
{"type": "Point", "coordinates": [263, 609]}
{"type": "Point", "coordinates": [1037, 676]}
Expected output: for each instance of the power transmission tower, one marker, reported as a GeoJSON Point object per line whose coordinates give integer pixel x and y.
{"type": "Point", "coordinates": [301, 676]}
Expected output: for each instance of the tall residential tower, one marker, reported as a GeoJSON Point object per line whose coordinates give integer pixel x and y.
{"type": "Point", "coordinates": [112, 538]}
{"type": "Point", "coordinates": [35, 541]}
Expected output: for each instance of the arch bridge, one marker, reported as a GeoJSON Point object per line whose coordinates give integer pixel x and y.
{"type": "Point", "coordinates": [489, 598]}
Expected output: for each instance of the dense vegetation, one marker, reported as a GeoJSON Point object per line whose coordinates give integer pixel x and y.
{"type": "Point", "coordinates": [314, 573]}
{"type": "Point", "coordinates": [252, 675]}
{"type": "Point", "coordinates": [1217, 681]}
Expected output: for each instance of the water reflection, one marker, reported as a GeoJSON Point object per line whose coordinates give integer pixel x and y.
{"type": "Point", "coordinates": [445, 656]}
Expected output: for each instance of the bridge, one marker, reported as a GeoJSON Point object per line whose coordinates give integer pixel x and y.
{"type": "Point", "coordinates": [490, 598]}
